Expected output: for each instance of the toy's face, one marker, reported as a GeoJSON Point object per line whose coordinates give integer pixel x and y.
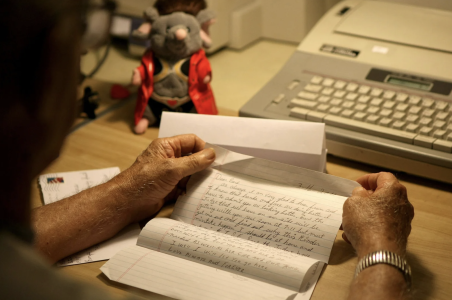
{"type": "Point", "coordinates": [175, 36]}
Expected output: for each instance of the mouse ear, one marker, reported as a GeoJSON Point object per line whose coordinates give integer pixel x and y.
{"type": "Point", "coordinates": [151, 14]}
{"type": "Point", "coordinates": [206, 17]}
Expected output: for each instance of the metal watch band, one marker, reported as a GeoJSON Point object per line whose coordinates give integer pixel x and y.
{"type": "Point", "coordinates": [385, 257]}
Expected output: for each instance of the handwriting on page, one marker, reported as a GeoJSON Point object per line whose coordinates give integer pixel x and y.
{"type": "Point", "coordinates": [277, 173]}
{"type": "Point", "coordinates": [178, 278]}
{"type": "Point", "coordinates": [225, 252]}
{"type": "Point", "coordinates": [287, 218]}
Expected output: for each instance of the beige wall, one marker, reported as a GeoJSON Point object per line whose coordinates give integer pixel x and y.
{"type": "Point", "coordinates": [291, 20]}
{"type": "Point", "coordinates": [438, 4]}
{"type": "Point", "coordinates": [223, 8]}
{"type": "Point", "coordinates": [283, 20]}
{"type": "Point", "coordinates": [133, 7]}
{"type": "Point", "coordinates": [220, 31]}
{"type": "Point", "coordinates": [286, 20]}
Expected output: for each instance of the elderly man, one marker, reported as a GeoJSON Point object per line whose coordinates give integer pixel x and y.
{"type": "Point", "coordinates": [39, 67]}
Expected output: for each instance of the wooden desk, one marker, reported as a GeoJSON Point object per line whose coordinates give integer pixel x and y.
{"type": "Point", "coordinates": [108, 141]}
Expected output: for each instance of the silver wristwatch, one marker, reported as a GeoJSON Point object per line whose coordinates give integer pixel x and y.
{"type": "Point", "coordinates": [385, 257]}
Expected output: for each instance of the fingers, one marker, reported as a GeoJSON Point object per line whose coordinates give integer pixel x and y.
{"type": "Point", "coordinates": [191, 143]}
{"type": "Point", "coordinates": [196, 162]}
{"type": "Point", "coordinates": [183, 182]}
{"type": "Point", "coordinates": [376, 181]}
{"type": "Point", "coordinates": [178, 190]}
{"type": "Point", "coordinates": [361, 192]}
{"type": "Point", "coordinates": [174, 194]}
{"type": "Point", "coordinates": [183, 144]}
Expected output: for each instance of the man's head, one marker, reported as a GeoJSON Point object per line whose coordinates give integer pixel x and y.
{"type": "Point", "coordinates": [38, 79]}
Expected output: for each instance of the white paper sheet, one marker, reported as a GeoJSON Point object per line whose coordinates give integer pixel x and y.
{"type": "Point", "coordinates": [281, 173]}
{"type": "Point", "coordinates": [182, 279]}
{"type": "Point", "coordinates": [57, 186]}
{"type": "Point", "coordinates": [291, 142]}
{"type": "Point", "coordinates": [226, 252]}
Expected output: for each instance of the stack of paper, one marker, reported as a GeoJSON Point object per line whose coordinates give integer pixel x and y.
{"type": "Point", "coordinates": [248, 228]}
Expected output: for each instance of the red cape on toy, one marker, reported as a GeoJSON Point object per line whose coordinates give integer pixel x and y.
{"type": "Point", "coordinates": [200, 93]}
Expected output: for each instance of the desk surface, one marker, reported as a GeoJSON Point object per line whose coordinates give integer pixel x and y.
{"type": "Point", "coordinates": [108, 141]}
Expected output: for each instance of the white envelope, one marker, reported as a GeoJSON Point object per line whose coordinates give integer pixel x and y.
{"type": "Point", "coordinates": [291, 142]}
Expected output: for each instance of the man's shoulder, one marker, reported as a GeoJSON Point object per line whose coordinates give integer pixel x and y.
{"type": "Point", "coordinates": [25, 275]}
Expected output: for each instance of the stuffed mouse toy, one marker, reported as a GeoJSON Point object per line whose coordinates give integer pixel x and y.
{"type": "Point", "coordinates": [174, 74]}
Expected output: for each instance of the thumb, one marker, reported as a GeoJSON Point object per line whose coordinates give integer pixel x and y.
{"type": "Point", "coordinates": [361, 192]}
{"type": "Point", "coordinates": [196, 162]}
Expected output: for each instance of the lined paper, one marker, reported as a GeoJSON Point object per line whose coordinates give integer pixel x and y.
{"type": "Point", "coordinates": [181, 279]}
{"type": "Point", "coordinates": [225, 252]}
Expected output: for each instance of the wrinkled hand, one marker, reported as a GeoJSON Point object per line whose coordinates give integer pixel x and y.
{"type": "Point", "coordinates": [378, 215]}
{"type": "Point", "coordinates": [160, 173]}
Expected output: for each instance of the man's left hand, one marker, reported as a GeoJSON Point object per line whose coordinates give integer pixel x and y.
{"type": "Point", "coordinates": [160, 173]}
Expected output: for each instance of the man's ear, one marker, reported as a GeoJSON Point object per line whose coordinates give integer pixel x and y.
{"type": "Point", "coordinates": [206, 17]}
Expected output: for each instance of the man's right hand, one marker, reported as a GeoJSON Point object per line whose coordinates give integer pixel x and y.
{"type": "Point", "coordinates": [378, 215]}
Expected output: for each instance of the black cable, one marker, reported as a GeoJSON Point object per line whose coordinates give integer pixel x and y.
{"type": "Point", "coordinates": [101, 61]}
